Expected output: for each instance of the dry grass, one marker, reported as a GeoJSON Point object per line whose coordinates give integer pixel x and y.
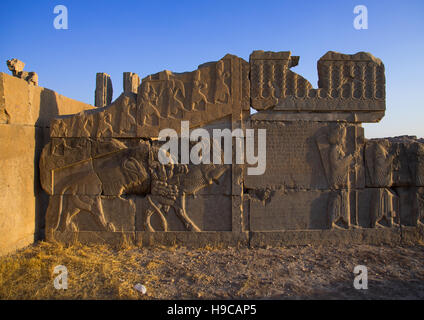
{"type": "Point", "coordinates": [104, 272]}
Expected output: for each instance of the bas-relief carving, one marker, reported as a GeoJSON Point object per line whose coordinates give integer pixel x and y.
{"type": "Point", "coordinates": [396, 162]}
{"type": "Point", "coordinates": [411, 205]}
{"type": "Point", "coordinates": [105, 159]}
{"type": "Point", "coordinates": [416, 163]}
{"type": "Point", "coordinates": [170, 186]}
{"type": "Point", "coordinates": [298, 154]}
{"type": "Point", "coordinates": [383, 210]}
{"type": "Point", "coordinates": [341, 172]}
{"type": "Point", "coordinates": [379, 163]}
{"type": "Point", "coordinates": [418, 206]}
{"type": "Point", "coordinates": [211, 92]}
{"type": "Point", "coordinates": [346, 83]}
{"type": "Point", "coordinates": [339, 209]}
{"type": "Point", "coordinates": [115, 120]}
{"type": "Point", "coordinates": [394, 177]}
{"type": "Point", "coordinates": [122, 172]}
{"type": "Point", "coordinates": [339, 161]}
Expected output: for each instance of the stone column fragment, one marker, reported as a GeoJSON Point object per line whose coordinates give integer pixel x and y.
{"type": "Point", "coordinates": [104, 91]}
{"type": "Point", "coordinates": [131, 81]}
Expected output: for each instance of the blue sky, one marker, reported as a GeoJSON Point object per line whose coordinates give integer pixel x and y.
{"type": "Point", "coordinates": [149, 36]}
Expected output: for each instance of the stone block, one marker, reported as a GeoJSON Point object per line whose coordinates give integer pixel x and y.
{"type": "Point", "coordinates": [213, 91]}
{"type": "Point", "coordinates": [104, 91]}
{"type": "Point", "coordinates": [411, 205]}
{"type": "Point", "coordinates": [77, 213]}
{"type": "Point", "coordinates": [291, 210]}
{"type": "Point", "coordinates": [131, 81]}
{"type": "Point", "coordinates": [24, 104]}
{"type": "Point", "coordinates": [394, 162]}
{"type": "Point", "coordinates": [378, 207]}
{"type": "Point", "coordinates": [351, 117]}
{"type": "Point", "coordinates": [310, 155]}
{"type": "Point", "coordinates": [207, 212]}
{"type": "Point", "coordinates": [346, 83]}
{"type": "Point", "coordinates": [19, 199]}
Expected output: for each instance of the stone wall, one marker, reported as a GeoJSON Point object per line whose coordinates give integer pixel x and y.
{"type": "Point", "coordinates": [324, 182]}
{"type": "Point", "coordinates": [25, 114]}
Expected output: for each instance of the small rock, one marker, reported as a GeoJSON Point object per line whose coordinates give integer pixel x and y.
{"type": "Point", "coordinates": [140, 288]}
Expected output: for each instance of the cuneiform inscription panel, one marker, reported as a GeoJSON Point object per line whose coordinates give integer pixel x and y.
{"type": "Point", "coordinates": [298, 155]}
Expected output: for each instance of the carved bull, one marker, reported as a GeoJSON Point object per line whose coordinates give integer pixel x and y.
{"type": "Point", "coordinates": [128, 171]}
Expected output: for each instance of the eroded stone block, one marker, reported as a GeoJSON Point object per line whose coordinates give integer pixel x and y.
{"type": "Point", "coordinates": [290, 210]}
{"type": "Point", "coordinates": [131, 81]}
{"type": "Point", "coordinates": [411, 205]}
{"type": "Point", "coordinates": [397, 162]}
{"type": "Point", "coordinates": [213, 91]}
{"type": "Point", "coordinates": [24, 104]}
{"type": "Point", "coordinates": [79, 213]}
{"type": "Point", "coordinates": [310, 155]}
{"type": "Point", "coordinates": [378, 208]}
{"type": "Point", "coordinates": [346, 83]}
{"type": "Point", "coordinates": [117, 120]}
{"type": "Point", "coordinates": [17, 68]}
{"type": "Point", "coordinates": [104, 92]}
{"type": "Point", "coordinates": [207, 212]}
{"type": "Point", "coordinates": [105, 179]}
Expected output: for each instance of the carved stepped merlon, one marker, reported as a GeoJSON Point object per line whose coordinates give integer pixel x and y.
{"type": "Point", "coordinates": [104, 92]}
{"type": "Point", "coordinates": [350, 88]}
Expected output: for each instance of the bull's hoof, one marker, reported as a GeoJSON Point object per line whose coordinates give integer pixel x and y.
{"type": "Point", "coordinates": [74, 227]}
{"type": "Point", "coordinates": [148, 227]}
{"type": "Point", "coordinates": [193, 228]}
{"type": "Point", "coordinates": [111, 227]}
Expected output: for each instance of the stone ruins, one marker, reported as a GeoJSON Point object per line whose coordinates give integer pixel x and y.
{"type": "Point", "coordinates": [324, 182]}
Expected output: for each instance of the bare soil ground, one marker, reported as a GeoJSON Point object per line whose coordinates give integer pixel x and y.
{"type": "Point", "coordinates": [299, 272]}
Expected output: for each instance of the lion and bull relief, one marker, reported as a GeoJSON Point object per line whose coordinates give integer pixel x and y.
{"type": "Point", "coordinates": [103, 172]}
{"type": "Point", "coordinates": [101, 167]}
{"type": "Point", "coordinates": [123, 173]}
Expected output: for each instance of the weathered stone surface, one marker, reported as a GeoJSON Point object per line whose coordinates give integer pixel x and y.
{"type": "Point", "coordinates": [25, 113]}
{"type": "Point", "coordinates": [351, 117]}
{"type": "Point", "coordinates": [379, 207]}
{"type": "Point", "coordinates": [392, 236]}
{"type": "Point", "coordinates": [323, 181]}
{"type": "Point", "coordinates": [309, 155]}
{"type": "Point", "coordinates": [346, 83]}
{"type": "Point", "coordinates": [116, 120]}
{"type": "Point", "coordinates": [397, 162]}
{"type": "Point", "coordinates": [90, 213]}
{"type": "Point", "coordinates": [411, 205]}
{"type": "Point", "coordinates": [153, 239]}
{"type": "Point", "coordinates": [131, 81]}
{"type": "Point", "coordinates": [17, 68]}
{"type": "Point", "coordinates": [207, 212]}
{"type": "Point", "coordinates": [213, 91]}
{"type": "Point", "coordinates": [104, 90]}
{"type": "Point", "coordinates": [290, 210]}
{"type": "Point", "coordinates": [273, 210]}
{"type": "Point", "coordinates": [17, 190]}
{"type": "Point", "coordinates": [125, 171]}
{"type": "Point", "coordinates": [23, 104]}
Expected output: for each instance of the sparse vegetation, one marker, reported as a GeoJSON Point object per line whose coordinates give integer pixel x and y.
{"type": "Point", "coordinates": [307, 272]}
